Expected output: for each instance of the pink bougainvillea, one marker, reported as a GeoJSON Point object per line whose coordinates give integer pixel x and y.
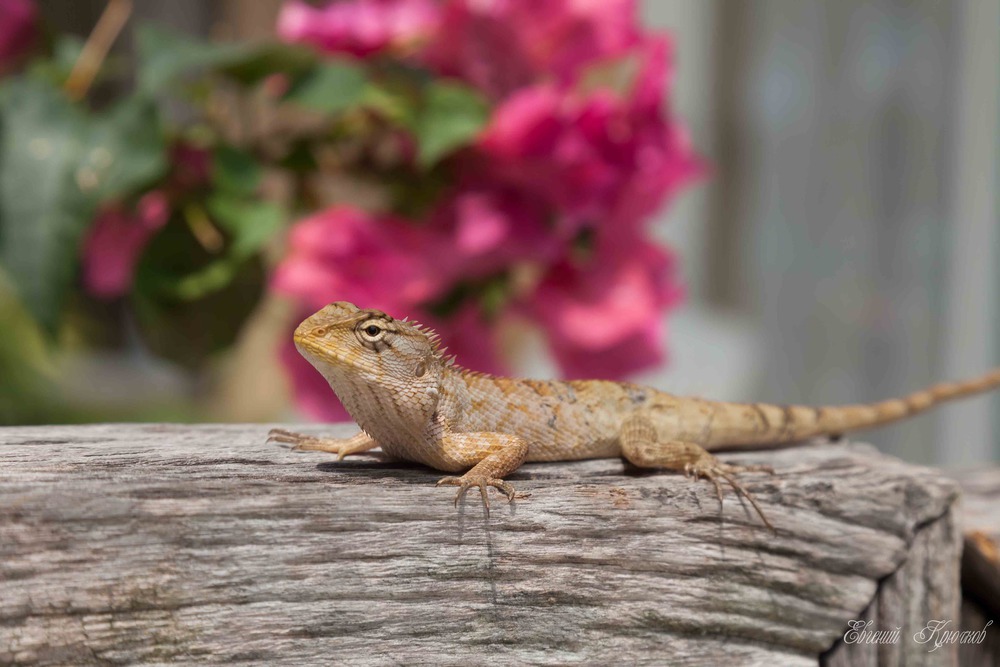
{"type": "Point", "coordinates": [118, 235]}
{"type": "Point", "coordinates": [344, 253]}
{"type": "Point", "coordinates": [604, 313]}
{"type": "Point", "coordinates": [546, 215]}
{"type": "Point", "coordinates": [501, 46]}
{"type": "Point", "coordinates": [359, 27]}
{"type": "Point", "coordinates": [115, 241]}
{"type": "Point", "coordinates": [595, 157]}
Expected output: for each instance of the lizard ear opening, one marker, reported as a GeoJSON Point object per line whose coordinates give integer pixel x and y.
{"type": "Point", "coordinates": [420, 370]}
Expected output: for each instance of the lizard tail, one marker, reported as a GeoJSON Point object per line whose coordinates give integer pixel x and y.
{"type": "Point", "coordinates": [761, 424]}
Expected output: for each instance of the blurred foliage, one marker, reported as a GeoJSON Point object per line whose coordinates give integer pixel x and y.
{"type": "Point", "coordinates": [191, 279]}
{"type": "Point", "coordinates": [57, 163]}
{"type": "Point", "coordinates": [455, 163]}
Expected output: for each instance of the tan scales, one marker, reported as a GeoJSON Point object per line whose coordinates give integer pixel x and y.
{"type": "Point", "coordinates": [418, 405]}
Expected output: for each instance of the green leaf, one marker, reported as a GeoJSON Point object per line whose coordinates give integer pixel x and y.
{"type": "Point", "coordinates": [56, 165]}
{"type": "Point", "coordinates": [330, 87]}
{"type": "Point", "coordinates": [177, 268]}
{"type": "Point", "coordinates": [452, 115]}
{"type": "Point", "coordinates": [191, 303]}
{"type": "Point", "coordinates": [269, 58]}
{"type": "Point", "coordinates": [126, 150]}
{"type": "Point", "coordinates": [66, 51]}
{"type": "Point", "coordinates": [393, 103]}
{"type": "Point", "coordinates": [249, 224]}
{"type": "Point", "coordinates": [42, 211]}
{"type": "Point", "coordinates": [164, 56]}
{"type": "Point", "coordinates": [235, 171]}
{"type": "Point", "coordinates": [188, 331]}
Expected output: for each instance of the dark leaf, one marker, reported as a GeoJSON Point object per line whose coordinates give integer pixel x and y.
{"type": "Point", "coordinates": [330, 87]}
{"type": "Point", "coordinates": [56, 165]}
{"type": "Point", "coordinates": [452, 115]}
{"type": "Point", "coordinates": [235, 171]}
{"type": "Point", "coordinates": [189, 332]}
{"type": "Point", "coordinates": [43, 213]}
{"type": "Point", "coordinates": [270, 58]}
{"type": "Point", "coordinates": [164, 57]}
{"type": "Point", "coordinates": [125, 150]}
{"type": "Point", "coordinates": [249, 224]}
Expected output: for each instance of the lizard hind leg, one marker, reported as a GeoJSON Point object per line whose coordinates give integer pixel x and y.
{"type": "Point", "coordinates": [642, 447]}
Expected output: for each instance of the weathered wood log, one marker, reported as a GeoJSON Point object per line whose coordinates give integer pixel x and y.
{"type": "Point", "coordinates": [980, 519]}
{"type": "Point", "coordinates": [200, 544]}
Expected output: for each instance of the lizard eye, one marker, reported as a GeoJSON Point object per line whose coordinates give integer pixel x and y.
{"type": "Point", "coordinates": [370, 332]}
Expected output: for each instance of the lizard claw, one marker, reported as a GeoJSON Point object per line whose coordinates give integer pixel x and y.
{"type": "Point", "coordinates": [465, 483]}
{"type": "Point", "coordinates": [298, 441]}
{"type": "Point", "coordinates": [711, 469]}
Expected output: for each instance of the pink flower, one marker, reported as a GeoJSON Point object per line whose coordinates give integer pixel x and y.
{"type": "Point", "coordinates": [502, 45]}
{"type": "Point", "coordinates": [359, 27]}
{"type": "Point", "coordinates": [489, 228]}
{"type": "Point", "coordinates": [344, 253]}
{"type": "Point", "coordinates": [18, 31]}
{"type": "Point", "coordinates": [115, 243]}
{"type": "Point", "coordinates": [604, 314]}
{"type": "Point", "coordinates": [599, 158]}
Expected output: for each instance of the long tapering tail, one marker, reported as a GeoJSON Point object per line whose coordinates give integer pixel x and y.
{"type": "Point", "coordinates": [736, 425]}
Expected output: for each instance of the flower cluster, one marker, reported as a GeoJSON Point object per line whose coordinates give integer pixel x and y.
{"type": "Point", "coordinates": [119, 233]}
{"type": "Point", "coordinates": [546, 212]}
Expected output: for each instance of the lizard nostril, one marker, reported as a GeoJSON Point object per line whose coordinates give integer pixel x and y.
{"type": "Point", "coordinates": [320, 331]}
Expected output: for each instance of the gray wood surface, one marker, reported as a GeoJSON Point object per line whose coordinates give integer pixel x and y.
{"type": "Point", "coordinates": [201, 544]}
{"type": "Point", "coordinates": [980, 517]}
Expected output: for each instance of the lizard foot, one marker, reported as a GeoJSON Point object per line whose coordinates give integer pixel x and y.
{"type": "Point", "coordinates": [710, 468]}
{"type": "Point", "coordinates": [301, 442]}
{"type": "Point", "coordinates": [467, 481]}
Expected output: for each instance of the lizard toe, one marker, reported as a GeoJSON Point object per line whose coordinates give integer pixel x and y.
{"type": "Point", "coordinates": [466, 482]}
{"type": "Point", "coordinates": [711, 469]}
{"type": "Point", "coordinates": [737, 469]}
{"type": "Point", "coordinates": [503, 487]}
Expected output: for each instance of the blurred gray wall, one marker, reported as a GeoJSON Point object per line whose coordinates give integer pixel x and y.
{"type": "Point", "coordinates": [852, 216]}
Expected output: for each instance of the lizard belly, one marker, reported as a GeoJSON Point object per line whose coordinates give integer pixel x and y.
{"type": "Point", "coordinates": [429, 453]}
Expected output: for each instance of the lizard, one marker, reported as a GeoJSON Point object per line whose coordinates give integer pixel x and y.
{"type": "Point", "coordinates": [419, 405]}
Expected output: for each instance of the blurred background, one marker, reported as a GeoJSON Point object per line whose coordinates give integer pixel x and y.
{"type": "Point", "coordinates": [830, 211]}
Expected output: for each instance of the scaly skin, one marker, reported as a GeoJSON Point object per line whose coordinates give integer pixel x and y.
{"type": "Point", "coordinates": [419, 406]}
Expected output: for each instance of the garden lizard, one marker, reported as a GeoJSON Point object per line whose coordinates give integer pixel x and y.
{"type": "Point", "coordinates": [418, 405]}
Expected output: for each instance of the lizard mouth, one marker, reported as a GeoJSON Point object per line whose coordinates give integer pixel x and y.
{"type": "Point", "coordinates": [319, 352]}
{"type": "Point", "coordinates": [312, 349]}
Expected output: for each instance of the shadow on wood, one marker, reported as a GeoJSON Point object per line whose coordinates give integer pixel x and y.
{"type": "Point", "coordinates": [157, 543]}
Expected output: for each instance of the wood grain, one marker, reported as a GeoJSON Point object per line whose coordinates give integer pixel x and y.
{"type": "Point", "coordinates": [166, 544]}
{"type": "Point", "coordinates": [980, 517]}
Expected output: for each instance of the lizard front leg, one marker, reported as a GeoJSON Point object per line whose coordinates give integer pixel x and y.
{"type": "Point", "coordinates": [642, 447]}
{"type": "Point", "coordinates": [491, 455]}
{"type": "Point", "coordinates": [357, 443]}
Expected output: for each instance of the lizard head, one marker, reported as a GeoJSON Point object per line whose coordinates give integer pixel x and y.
{"type": "Point", "coordinates": [351, 346]}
